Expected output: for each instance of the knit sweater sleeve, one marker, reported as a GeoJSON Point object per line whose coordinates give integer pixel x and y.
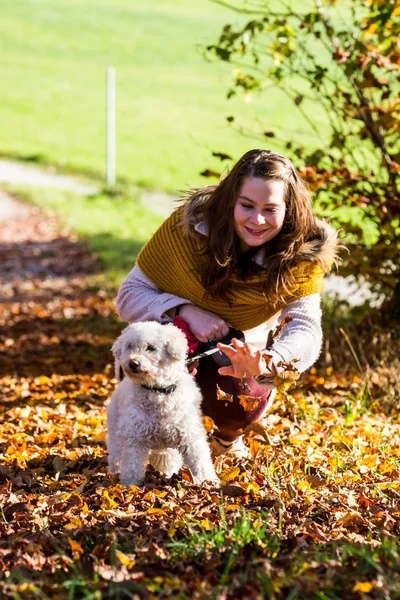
{"type": "Point", "coordinates": [302, 337]}
{"type": "Point", "coordinates": [139, 299]}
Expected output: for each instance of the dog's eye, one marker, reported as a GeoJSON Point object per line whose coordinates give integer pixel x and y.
{"type": "Point", "coordinates": [129, 346]}
{"type": "Point", "coordinates": [151, 348]}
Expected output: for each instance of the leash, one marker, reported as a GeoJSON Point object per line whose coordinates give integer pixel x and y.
{"type": "Point", "coordinates": [210, 348]}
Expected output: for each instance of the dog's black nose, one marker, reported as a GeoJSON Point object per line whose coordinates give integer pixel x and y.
{"type": "Point", "coordinates": [134, 365]}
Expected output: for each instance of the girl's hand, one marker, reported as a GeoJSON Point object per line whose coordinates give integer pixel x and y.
{"type": "Point", "coordinates": [203, 324]}
{"type": "Point", "coordinates": [246, 360]}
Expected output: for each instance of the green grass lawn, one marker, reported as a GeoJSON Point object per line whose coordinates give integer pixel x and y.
{"type": "Point", "coordinates": [171, 103]}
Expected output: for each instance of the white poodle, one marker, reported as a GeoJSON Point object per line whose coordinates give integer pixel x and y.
{"type": "Point", "coordinates": [154, 414]}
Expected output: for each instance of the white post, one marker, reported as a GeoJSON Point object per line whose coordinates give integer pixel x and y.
{"type": "Point", "coordinates": [111, 147]}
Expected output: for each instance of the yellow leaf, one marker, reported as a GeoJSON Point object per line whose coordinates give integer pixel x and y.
{"type": "Point", "coordinates": [44, 415]}
{"type": "Point", "coordinates": [303, 485]}
{"type": "Point", "coordinates": [363, 586]}
{"type": "Point", "coordinates": [155, 511]}
{"type": "Point", "coordinates": [253, 487]}
{"type": "Point", "coordinates": [206, 524]}
{"type": "Point", "coordinates": [108, 502]}
{"type": "Point", "coordinates": [368, 462]}
{"type": "Point", "coordinates": [42, 380]}
{"type": "Point", "coordinates": [75, 547]}
{"type": "Point", "coordinates": [351, 518]}
{"type": "Point", "coordinates": [229, 474]}
{"type": "Point", "coordinates": [231, 507]}
{"type": "Point", "coordinates": [209, 424]}
{"type": "Point", "coordinates": [74, 523]}
{"type": "Point", "coordinates": [124, 559]}
{"type": "Point", "coordinates": [160, 494]}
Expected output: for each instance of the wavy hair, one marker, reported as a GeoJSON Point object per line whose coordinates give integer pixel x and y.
{"type": "Point", "coordinates": [215, 205]}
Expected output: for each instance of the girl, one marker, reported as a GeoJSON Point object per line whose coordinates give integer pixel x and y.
{"type": "Point", "coordinates": [245, 253]}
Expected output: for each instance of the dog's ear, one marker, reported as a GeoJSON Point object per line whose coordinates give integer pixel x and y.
{"type": "Point", "coordinates": [176, 344]}
{"type": "Point", "coordinates": [118, 345]}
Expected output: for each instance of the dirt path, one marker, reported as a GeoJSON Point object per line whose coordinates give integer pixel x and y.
{"type": "Point", "coordinates": [52, 320]}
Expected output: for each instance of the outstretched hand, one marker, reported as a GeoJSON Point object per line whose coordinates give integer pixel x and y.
{"type": "Point", "coordinates": [247, 360]}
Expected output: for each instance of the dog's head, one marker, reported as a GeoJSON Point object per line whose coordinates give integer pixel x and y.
{"type": "Point", "coordinates": [151, 353]}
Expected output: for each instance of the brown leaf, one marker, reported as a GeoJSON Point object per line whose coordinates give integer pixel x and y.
{"type": "Point", "coordinates": [233, 491]}
{"type": "Point", "coordinates": [268, 359]}
{"type": "Point", "coordinates": [59, 465]}
{"type": "Point", "coordinates": [258, 428]}
{"type": "Point", "coordinates": [187, 473]}
{"type": "Point", "coordinates": [244, 384]}
{"type": "Point", "coordinates": [274, 335]}
{"type": "Point", "coordinates": [222, 156]}
{"type": "Point", "coordinates": [210, 173]}
{"type": "Point", "coordinates": [315, 482]}
{"type": "Point", "coordinates": [221, 395]}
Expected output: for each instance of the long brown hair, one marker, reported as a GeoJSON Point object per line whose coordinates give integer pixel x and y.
{"type": "Point", "coordinates": [215, 206]}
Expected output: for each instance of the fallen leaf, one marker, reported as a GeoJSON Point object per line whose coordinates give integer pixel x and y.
{"type": "Point", "coordinates": [232, 507]}
{"type": "Point", "coordinates": [207, 524]}
{"type": "Point", "coordinates": [76, 548]}
{"type": "Point", "coordinates": [285, 380]}
{"type": "Point", "coordinates": [364, 586]}
{"type": "Point", "coordinates": [230, 473]}
{"type": "Point", "coordinates": [315, 482]}
{"type": "Point", "coordinates": [258, 428]}
{"type": "Point", "coordinates": [124, 559]}
{"type": "Point", "coordinates": [233, 490]}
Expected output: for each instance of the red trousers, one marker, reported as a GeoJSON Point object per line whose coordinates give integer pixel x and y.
{"type": "Point", "coordinates": [229, 417]}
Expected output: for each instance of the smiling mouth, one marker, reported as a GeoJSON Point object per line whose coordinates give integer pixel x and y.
{"type": "Point", "coordinates": [255, 231]}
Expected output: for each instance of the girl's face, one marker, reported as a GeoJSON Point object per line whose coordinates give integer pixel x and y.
{"type": "Point", "coordinates": [259, 211]}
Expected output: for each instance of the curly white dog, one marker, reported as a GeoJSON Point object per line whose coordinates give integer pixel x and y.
{"type": "Point", "coordinates": [154, 414]}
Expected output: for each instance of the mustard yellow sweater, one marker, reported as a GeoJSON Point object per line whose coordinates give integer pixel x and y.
{"type": "Point", "coordinates": [175, 261]}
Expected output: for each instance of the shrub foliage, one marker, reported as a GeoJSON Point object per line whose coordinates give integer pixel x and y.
{"type": "Point", "coordinates": [340, 60]}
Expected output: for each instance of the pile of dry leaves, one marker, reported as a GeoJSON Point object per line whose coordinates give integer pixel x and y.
{"type": "Point", "coordinates": [314, 514]}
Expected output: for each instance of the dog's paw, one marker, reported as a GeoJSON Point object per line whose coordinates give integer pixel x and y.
{"type": "Point", "coordinates": [207, 475]}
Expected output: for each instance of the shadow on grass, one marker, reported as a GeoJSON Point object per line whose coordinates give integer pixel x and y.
{"type": "Point", "coordinates": [117, 255]}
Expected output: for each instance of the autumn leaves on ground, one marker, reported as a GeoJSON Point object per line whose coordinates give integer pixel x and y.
{"type": "Point", "coordinates": [314, 514]}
